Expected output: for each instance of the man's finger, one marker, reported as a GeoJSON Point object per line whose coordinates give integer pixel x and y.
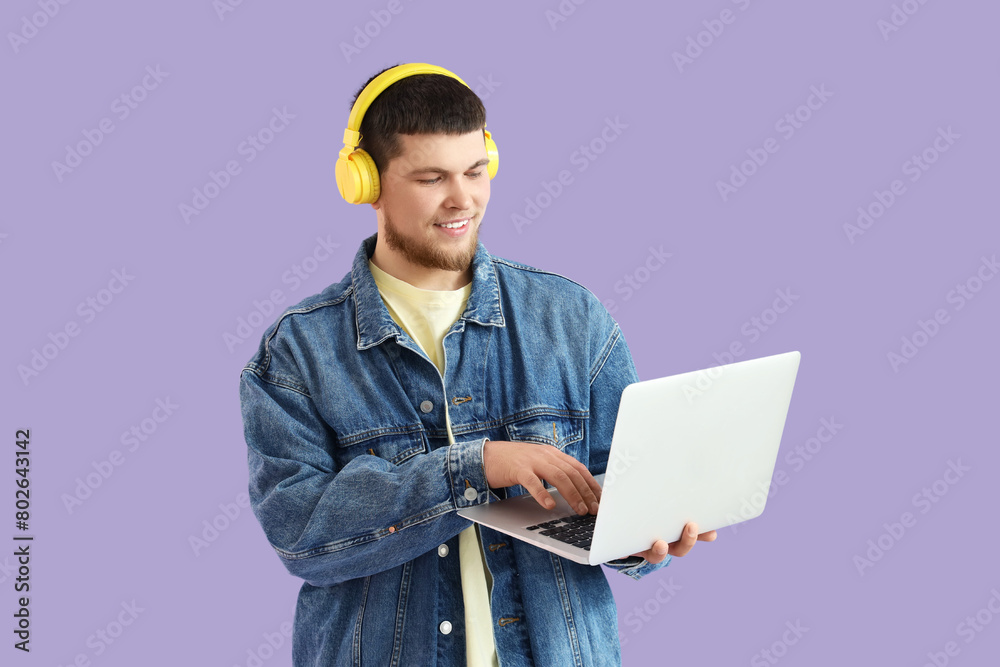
{"type": "Point", "coordinates": [569, 483]}
{"type": "Point", "coordinates": [657, 552]}
{"type": "Point", "coordinates": [534, 486]}
{"type": "Point", "coordinates": [682, 546]}
{"type": "Point", "coordinates": [585, 487]}
{"type": "Point", "coordinates": [590, 490]}
{"type": "Point", "coordinates": [592, 483]}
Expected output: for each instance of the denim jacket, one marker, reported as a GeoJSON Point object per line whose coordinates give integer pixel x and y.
{"type": "Point", "coordinates": [356, 486]}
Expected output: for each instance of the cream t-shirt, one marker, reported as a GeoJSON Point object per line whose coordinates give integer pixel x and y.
{"type": "Point", "coordinates": [426, 316]}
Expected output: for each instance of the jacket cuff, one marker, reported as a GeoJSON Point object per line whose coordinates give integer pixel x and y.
{"type": "Point", "coordinates": [636, 567]}
{"type": "Point", "coordinates": [467, 473]}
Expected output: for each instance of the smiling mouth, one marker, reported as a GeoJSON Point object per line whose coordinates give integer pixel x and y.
{"type": "Point", "coordinates": [455, 224]}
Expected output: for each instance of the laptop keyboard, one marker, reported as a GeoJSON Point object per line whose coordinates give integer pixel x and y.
{"type": "Point", "coordinates": [576, 529]}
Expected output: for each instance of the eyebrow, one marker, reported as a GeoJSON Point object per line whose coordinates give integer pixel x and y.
{"type": "Point", "coordinates": [439, 170]}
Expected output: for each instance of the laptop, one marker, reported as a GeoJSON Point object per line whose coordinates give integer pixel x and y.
{"type": "Point", "coordinates": [699, 446]}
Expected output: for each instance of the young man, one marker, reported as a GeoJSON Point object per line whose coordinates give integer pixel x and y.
{"type": "Point", "coordinates": [435, 376]}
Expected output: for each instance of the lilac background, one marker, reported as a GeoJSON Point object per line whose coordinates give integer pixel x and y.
{"type": "Point", "coordinates": [554, 84]}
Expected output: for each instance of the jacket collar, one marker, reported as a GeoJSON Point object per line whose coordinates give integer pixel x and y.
{"type": "Point", "coordinates": [375, 324]}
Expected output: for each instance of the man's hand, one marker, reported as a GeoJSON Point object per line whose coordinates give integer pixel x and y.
{"type": "Point", "coordinates": [509, 463]}
{"type": "Point", "coordinates": [661, 549]}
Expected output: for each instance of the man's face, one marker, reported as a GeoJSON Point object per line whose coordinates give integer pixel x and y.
{"type": "Point", "coordinates": [432, 201]}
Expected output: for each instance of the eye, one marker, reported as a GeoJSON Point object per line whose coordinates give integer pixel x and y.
{"type": "Point", "coordinates": [429, 181]}
{"type": "Point", "coordinates": [475, 174]}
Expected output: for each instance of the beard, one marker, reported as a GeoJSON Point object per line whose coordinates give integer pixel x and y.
{"type": "Point", "coordinates": [424, 252]}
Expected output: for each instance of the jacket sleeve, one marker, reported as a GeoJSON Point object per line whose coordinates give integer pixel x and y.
{"type": "Point", "coordinates": [611, 373]}
{"type": "Point", "coordinates": [329, 525]}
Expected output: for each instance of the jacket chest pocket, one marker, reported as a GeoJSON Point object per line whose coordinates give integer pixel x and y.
{"type": "Point", "coordinates": [393, 445]}
{"type": "Point", "coordinates": [556, 430]}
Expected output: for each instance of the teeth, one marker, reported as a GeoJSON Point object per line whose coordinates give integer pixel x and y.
{"type": "Point", "coordinates": [454, 225]}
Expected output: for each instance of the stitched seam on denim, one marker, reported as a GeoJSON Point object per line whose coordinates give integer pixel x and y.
{"type": "Point", "coordinates": [397, 459]}
{"type": "Point", "coordinates": [357, 438]}
{"type": "Point", "coordinates": [357, 625]}
{"type": "Point", "coordinates": [340, 545]}
{"type": "Point", "coordinates": [561, 445]}
{"type": "Point", "coordinates": [462, 429]}
{"type": "Point", "coordinates": [482, 370]}
{"type": "Point", "coordinates": [397, 638]}
{"type": "Point", "coordinates": [285, 381]}
{"type": "Point", "coordinates": [378, 342]}
{"type": "Point", "coordinates": [531, 269]}
{"type": "Point", "coordinates": [402, 457]}
{"type": "Point", "coordinates": [514, 434]}
{"type": "Point", "coordinates": [453, 453]}
{"type": "Point", "coordinates": [496, 285]}
{"type": "Point", "coordinates": [605, 353]}
{"type": "Point", "coordinates": [493, 287]}
{"type": "Point", "coordinates": [298, 311]}
{"type": "Point", "coordinates": [270, 379]}
{"type": "Point", "coordinates": [253, 367]}
{"type": "Point", "coordinates": [567, 608]}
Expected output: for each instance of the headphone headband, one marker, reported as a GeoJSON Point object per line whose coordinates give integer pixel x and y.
{"type": "Point", "coordinates": [352, 135]}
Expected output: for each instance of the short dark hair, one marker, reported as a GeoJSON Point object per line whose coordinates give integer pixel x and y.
{"type": "Point", "coordinates": [417, 104]}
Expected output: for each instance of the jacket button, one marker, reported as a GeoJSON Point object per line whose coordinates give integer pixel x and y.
{"type": "Point", "coordinates": [471, 494]}
{"type": "Point", "coordinates": [445, 627]}
{"type": "Point", "coordinates": [443, 550]}
{"type": "Point", "coordinates": [426, 407]}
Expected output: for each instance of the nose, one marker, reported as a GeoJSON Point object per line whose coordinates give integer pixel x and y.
{"type": "Point", "coordinates": [459, 194]}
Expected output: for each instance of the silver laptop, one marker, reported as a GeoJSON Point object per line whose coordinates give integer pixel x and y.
{"type": "Point", "coordinates": [698, 446]}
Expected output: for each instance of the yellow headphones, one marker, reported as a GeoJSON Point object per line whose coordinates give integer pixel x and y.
{"type": "Point", "coordinates": [357, 175]}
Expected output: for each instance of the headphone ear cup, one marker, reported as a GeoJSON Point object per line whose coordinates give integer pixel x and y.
{"type": "Point", "coordinates": [357, 177]}
{"type": "Point", "coordinates": [368, 177]}
{"type": "Point", "coordinates": [493, 154]}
